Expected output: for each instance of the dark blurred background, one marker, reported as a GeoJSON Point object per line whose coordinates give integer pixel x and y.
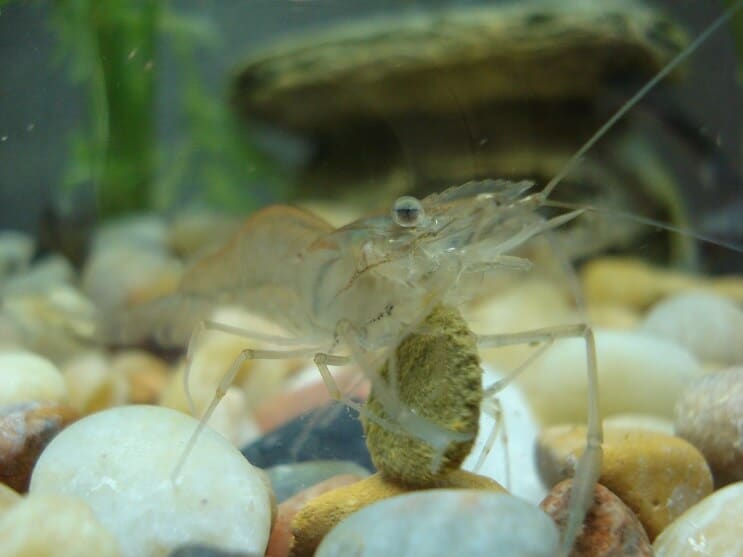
{"type": "Point", "coordinates": [40, 107]}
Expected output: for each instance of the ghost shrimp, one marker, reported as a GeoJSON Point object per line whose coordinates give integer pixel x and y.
{"type": "Point", "coordinates": [355, 294]}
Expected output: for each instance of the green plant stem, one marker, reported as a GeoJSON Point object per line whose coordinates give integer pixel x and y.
{"type": "Point", "coordinates": [126, 46]}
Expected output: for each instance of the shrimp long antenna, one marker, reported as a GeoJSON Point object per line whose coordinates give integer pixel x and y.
{"type": "Point", "coordinates": [637, 97]}
{"type": "Point", "coordinates": [648, 222]}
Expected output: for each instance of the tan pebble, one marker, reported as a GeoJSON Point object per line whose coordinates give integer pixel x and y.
{"type": "Point", "coordinates": [25, 377]}
{"type": "Point", "coordinates": [610, 528]}
{"type": "Point", "coordinates": [709, 414]}
{"type": "Point", "coordinates": [645, 422]}
{"type": "Point", "coordinates": [613, 316]}
{"type": "Point", "coordinates": [147, 375]}
{"type": "Point", "coordinates": [711, 528]}
{"type": "Point", "coordinates": [93, 385]}
{"type": "Point", "coordinates": [190, 233]}
{"type": "Point", "coordinates": [8, 498]}
{"type": "Point", "coordinates": [527, 304]}
{"type": "Point", "coordinates": [161, 284]}
{"type": "Point", "coordinates": [321, 514]}
{"type": "Point", "coordinates": [631, 282]}
{"type": "Point", "coordinates": [658, 476]}
{"type": "Point", "coordinates": [25, 430]}
{"type": "Point", "coordinates": [54, 525]}
{"type": "Point", "coordinates": [281, 534]}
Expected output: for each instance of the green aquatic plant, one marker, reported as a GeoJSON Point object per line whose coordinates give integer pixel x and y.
{"type": "Point", "coordinates": [112, 49]}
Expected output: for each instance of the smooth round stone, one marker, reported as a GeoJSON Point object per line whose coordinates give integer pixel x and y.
{"type": "Point", "coordinates": [54, 525]}
{"type": "Point", "coordinates": [92, 384]}
{"type": "Point", "coordinates": [444, 523]}
{"type": "Point", "coordinates": [709, 415]}
{"type": "Point", "coordinates": [121, 461]}
{"type": "Point", "coordinates": [146, 374]}
{"type": "Point", "coordinates": [122, 275]}
{"type": "Point", "coordinates": [712, 528]}
{"type": "Point", "coordinates": [708, 325]}
{"type": "Point", "coordinates": [610, 528]}
{"type": "Point", "coordinates": [328, 433]}
{"type": "Point", "coordinates": [8, 498]}
{"type": "Point", "coordinates": [55, 321]}
{"type": "Point", "coordinates": [144, 231]}
{"type": "Point", "coordinates": [637, 373]}
{"type": "Point", "coordinates": [289, 479]}
{"type": "Point", "coordinates": [25, 377]}
{"type": "Point", "coordinates": [322, 513]}
{"type": "Point", "coordinates": [528, 304]}
{"type": "Point", "coordinates": [50, 271]}
{"type": "Point", "coordinates": [658, 476]}
{"type": "Point", "coordinates": [643, 422]}
{"type": "Point", "coordinates": [16, 250]}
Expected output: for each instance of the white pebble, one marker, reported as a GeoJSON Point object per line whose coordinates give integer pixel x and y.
{"type": "Point", "coordinates": [113, 276]}
{"type": "Point", "coordinates": [54, 526]}
{"type": "Point", "coordinates": [25, 376]}
{"type": "Point", "coordinates": [711, 528]}
{"type": "Point", "coordinates": [145, 231]}
{"type": "Point", "coordinates": [708, 325]}
{"type": "Point", "coordinates": [637, 373]}
{"type": "Point", "coordinates": [444, 522]}
{"type": "Point", "coordinates": [120, 462]}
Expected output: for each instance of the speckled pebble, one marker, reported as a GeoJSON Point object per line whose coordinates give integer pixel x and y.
{"type": "Point", "coordinates": [441, 523]}
{"type": "Point", "coordinates": [709, 415]}
{"type": "Point", "coordinates": [637, 372]}
{"type": "Point", "coordinates": [711, 528]}
{"type": "Point", "coordinates": [25, 377]}
{"type": "Point", "coordinates": [58, 526]}
{"type": "Point", "coordinates": [289, 479]}
{"type": "Point", "coordinates": [610, 528]}
{"type": "Point", "coordinates": [708, 325]}
{"type": "Point", "coordinates": [658, 476]}
{"type": "Point", "coordinates": [25, 429]}
{"type": "Point", "coordinates": [321, 514]}
{"type": "Point", "coordinates": [120, 461]}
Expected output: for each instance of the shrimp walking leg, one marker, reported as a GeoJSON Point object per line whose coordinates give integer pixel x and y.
{"type": "Point", "coordinates": [589, 465]}
{"type": "Point", "coordinates": [492, 407]}
{"type": "Point", "coordinates": [209, 325]}
{"type": "Point", "coordinates": [224, 384]}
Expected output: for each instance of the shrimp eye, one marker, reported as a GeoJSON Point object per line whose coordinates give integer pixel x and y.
{"type": "Point", "coordinates": [408, 212]}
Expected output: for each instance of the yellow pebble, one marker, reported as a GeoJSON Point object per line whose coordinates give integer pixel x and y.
{"type": "Point", "coordinates": [321, 514]}
{"type": "Point", "coordinates": [54, 525]}
{"type": "Point", "coordinates": [658, 476]}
